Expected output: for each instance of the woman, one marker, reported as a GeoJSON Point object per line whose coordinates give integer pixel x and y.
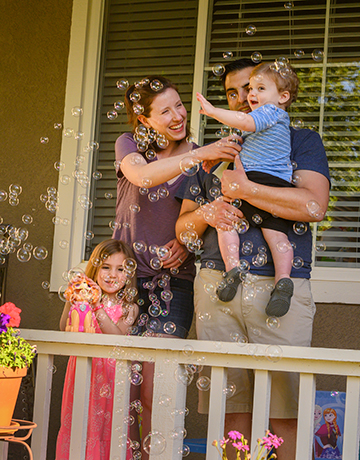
{"type": "Point", "coordinates": [150, 162]}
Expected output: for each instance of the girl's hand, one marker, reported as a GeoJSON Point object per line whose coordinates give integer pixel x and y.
{"type": "Point", "coordinates": [178, 254]}
{"type": "Point", "coordinates": [206, 107]}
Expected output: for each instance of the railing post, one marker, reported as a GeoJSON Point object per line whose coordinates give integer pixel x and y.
{"type": "Point", "coordinates": [80, 408]}
{"type": "Point", "coordinates": [260, 418]}
{"type": "Point", "coordinates": [217, 405]}
{"type": "Point", "coordinates": [42, 401]}
{"type": "Point", "coordinates": [351, 422]}
{"type": "Point", "coordinates": [168, 407]}
{"type": "Point", "coordinates": [119, 429]}
{"type": "Point", "coordinates": [305, 424]}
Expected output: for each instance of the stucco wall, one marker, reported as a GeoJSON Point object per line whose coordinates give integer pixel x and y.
{"type": "Point", "coordinates": [34, 43]}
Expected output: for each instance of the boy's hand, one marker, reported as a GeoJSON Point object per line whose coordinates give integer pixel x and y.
{"type": "Point", "coordinates": [207, 107]}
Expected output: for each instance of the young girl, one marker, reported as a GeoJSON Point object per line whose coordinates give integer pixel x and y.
{"type": "Point", "coordinates": [110, 316]}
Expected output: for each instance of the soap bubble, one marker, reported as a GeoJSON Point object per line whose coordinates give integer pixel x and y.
{"type": "Point", "coordinates": [119, 105]}
{"type": "Point", "coordinates": [317, 55]}
{"type": "Point", "coordinates": [136, 379]}
{"type": "Point", "coordinates": [92, 146]}
{"type": "Point", "coordinates": [77, 111]}
{"type": "Point", "coordinates": [320, 246]}
{"type": "Point", "coordinates": [230, 389]}
{"type": "Point", "coordinates": [189, 166]}
{"type": "Point", "coordinates": [153, 197]}
{"type": "Point", "coordinates": [156, 263]}
{"type": "Point", "coordinates": [57, 125]}
{"type": "Point", "coordinates": [297, 262]}
{"type": "Point", "coordinates": [250, 29]}
{"type": "Point", "coordinates": [227, 54]}
{"type": "Point", "coordinates": [169, 327]}
{"type": "Point", "coordinates": [85, 202]}
{"type": "Point", "coordinates": [135, 96]}
{"type": "Point", "coordinates": [257, 219]}
{"type": "Point", "coordinates": [153, 325]}
{"type": "Point", "coordinates": [204, 316]}
{"type": "Point", "coordinates": [183, 375]}
{"type": "Point", "coordinates": [68, 132]}
{"type": "Point", "coordinates": [63, 244]}
{"type": "Point", "coordinates": [122, 84]}
{"type": "Point", "coordinates": [27, 219]}
{"type": "Point", "coordinates": [156, 85]}
{"type": "Point", "coordinates": [3, 195]}
{"type": "Point", "coordinates": [184, 450]}
{"type": "Point", "coordinates": [97, 175]}
{"type": "Point", "coordinates": [44, 140]}
{"type": "Point", "coordinates": [164, 253]}
{"type": "Point", "coordinates": [15, 189]}
{"type": "Point", "coordinates": [299, 53]}
{"type": "Point", "coordinates": [40, 253]}
{"type": "Point", "coordinates": [300, 228]}
{"type": "Point", "coordinates": [313, 208]}
{"type": "Point", "coordinates": [23, 255]}
{"type": "Point", "coordinates": [89, 235]}
{"type": "Point", "coordinates": [283, 246]}
{"type": "Point", "coordinates": [273, 353]}
{"type": "Point", "coordinates": [210, 265]}
{"type": "Point", "coordinates": [242, 226]}
{"type": "Point", "coordinates": [272, 323]}
{"type": "Point", "coordinates": [203, 383]}
{"type": "Point", "coordinates": [297, 123]}
{"type": "Point", "coordinates": [108, 195]}
{"type": "Point", "coordinates": [218, 70]}
{"type": "Point", "coordinates": [334, 394]}
{"type": "Point", "coordinates": [139, 247]}
{"type": "Point", "coordinates": [112, 115]}
{"type": "Point", "coordinates": [166, 296]}
{"type": "Point", "coordinates": [288, 5]}
{"type": "Point", "coordinates": [45, 284]}
{"type": "Point", "coordinates": [259, 260]}
{"type": "Point", "coordinates": [256, 57]}
{"type": "Point", "coordinates": [154, 442]}
{"type": "Point", "coordinates": [188, 350]}
{"type": "Point", "coordinates": [138, 109]}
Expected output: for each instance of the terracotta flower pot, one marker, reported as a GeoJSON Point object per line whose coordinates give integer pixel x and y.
{"type": "Point", "coordinates": [10, 381]}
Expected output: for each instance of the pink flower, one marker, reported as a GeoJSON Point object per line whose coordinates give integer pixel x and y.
{"type": "Point", "coordinates": [271, 440]}
{"type": "Point", "coordinates": [234, 435]}
{"type": "Point", "coordinates": [223, 442]}
{"type": "Point", "coordinates": [240, 446]}
{"type": "Point", "coordinates": [9, 309]}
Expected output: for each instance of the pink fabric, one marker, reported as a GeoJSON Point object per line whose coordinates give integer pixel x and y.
{"type": "Point", "coordinates": [100, 404]}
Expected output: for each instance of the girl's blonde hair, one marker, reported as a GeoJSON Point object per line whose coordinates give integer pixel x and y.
{"type": "Point", "coordinates": [102, 251]}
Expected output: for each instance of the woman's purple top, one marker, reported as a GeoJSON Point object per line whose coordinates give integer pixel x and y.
{"type": "Point", "coordinates": [154, 223]}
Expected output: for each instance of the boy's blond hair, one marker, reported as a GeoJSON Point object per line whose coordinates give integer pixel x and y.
{"type": "Point", "coordinates": [284, 77]}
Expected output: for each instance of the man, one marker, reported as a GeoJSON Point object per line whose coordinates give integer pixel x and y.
{"type": "Point", "coordinates": [245, 315]}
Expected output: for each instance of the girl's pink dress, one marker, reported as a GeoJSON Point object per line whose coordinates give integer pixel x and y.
{"type": "Point", "coordinates": [100, 404]}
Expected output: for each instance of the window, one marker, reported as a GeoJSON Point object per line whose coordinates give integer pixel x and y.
{"type": "Point", "coordinates": [136, 42]}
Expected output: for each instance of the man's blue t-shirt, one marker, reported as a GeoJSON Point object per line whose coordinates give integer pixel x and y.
{"type": "Point", "coordinates": [307, 153]}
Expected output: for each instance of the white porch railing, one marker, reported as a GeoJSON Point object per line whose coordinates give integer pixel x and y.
{"type": "Point", "coordinates": [168, 355]}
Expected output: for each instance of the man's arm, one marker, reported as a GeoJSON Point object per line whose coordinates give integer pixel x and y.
{"type": "Point", "coordinates": [306, 202]}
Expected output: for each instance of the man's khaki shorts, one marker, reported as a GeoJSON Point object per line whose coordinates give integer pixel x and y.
{"type": "Point", "coordinates": [248, 318]}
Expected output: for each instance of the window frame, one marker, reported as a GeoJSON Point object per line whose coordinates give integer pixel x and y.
{"type": "Point", "coordinates": [329, 285]}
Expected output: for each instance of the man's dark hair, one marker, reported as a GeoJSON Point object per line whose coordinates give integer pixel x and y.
{"type": "Point", "coordinates": [237, 65]}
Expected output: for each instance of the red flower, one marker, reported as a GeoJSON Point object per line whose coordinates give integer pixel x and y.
{"type": "Point", "coordinates": [9, 309]}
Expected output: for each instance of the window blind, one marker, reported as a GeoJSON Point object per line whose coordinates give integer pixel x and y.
{"type": "Point", "coordinates": [140, 38]}
{"type": "Point", "coordinates": [322, 41]}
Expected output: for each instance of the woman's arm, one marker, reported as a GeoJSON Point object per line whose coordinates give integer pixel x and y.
{"type": "Point", "coordinates": [136, 170]}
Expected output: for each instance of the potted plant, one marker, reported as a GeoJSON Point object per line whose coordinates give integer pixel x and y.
{"type": "Point", "coordinates": [16, 355]}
